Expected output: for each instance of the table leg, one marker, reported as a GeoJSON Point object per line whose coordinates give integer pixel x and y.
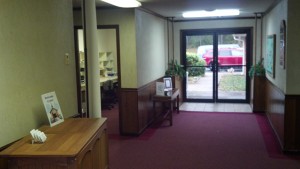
{"type": "Point", "coordinates": [154, 111]}
{"type": "Point", "coordinates": [177, 100]}
{"type": "Point", "coordinates": [171, 113]}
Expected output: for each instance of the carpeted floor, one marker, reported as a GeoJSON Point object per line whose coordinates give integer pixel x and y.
{"type": "Point", "coordinates": [200, 140]}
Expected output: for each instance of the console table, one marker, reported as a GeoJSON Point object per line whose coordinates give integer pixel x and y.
{"type": "Point", "coordinates": [172, 99]}
{"type": "Point", "coordinates": [74, 144]}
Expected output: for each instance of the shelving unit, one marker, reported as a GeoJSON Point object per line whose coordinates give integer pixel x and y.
{"type": "Point", "coordinates": [106, 63]}
{"type": "Point", "coordinates": [82, 65]}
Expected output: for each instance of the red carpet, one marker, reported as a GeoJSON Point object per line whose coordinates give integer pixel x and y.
{"type": "Point", "coordinates": [202, 141]}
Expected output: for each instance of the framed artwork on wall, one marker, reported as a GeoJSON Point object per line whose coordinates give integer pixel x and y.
{"type": "Point", "coordinates": [270, 55]}
{"type": "Point", "coordinates": [282, 46]}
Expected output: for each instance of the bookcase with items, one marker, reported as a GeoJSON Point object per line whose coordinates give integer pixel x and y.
{"type": "Point", "coordinates": [106, 64]}
{"type": "Point", "coordinates": [82, 66]}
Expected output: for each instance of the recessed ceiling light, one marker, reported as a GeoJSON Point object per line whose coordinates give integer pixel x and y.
{"type": "Point", "coordinates": [124, 3]}
{"type": "Point", "coordinates": [217, 12]}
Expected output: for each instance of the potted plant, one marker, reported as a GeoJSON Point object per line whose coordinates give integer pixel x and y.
{"type": "Point", "coordinates": [257, 69]}
{"type": "Point", "coordinates": [176, 72]}
{"type": "Point", "coordinates": [175, 69]}
{"type": "Point", "coordinates": [257, 72]}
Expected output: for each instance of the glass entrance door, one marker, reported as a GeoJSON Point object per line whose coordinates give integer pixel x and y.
{"type": "Point", "coordinates": [232, 67]}
{"type": "Point", "coordinates": [199, 77]}
{"type": "Point", "coordinates": [216, 63]}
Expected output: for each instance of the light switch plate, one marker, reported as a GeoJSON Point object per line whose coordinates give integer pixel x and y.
{"type": "Point", "coordinates": [67, 58]}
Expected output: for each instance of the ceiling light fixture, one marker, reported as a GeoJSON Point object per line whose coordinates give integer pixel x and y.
{"type": "Point", "coordinates": [124, 3]}
{"type": "Point", "coordinates": [217, 12]}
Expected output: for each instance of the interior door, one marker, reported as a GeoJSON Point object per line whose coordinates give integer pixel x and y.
{"type": "Point", "coordinates": [216, 63]}
{"type": "Point", "coordinates": [109, 67]}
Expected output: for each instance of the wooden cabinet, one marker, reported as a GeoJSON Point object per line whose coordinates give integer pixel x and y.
{"type": "Point", "coordinates": [73, 144]}
{"type": "Point", "coordinates": [259, 94]}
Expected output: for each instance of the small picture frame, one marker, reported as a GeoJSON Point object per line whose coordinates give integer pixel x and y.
{"type": "Point", "coordinates": [52, 108]}
{"type": "Point", "coordinates": [160, 88]}
{"type": "Point", "coordinates": [168, 83]}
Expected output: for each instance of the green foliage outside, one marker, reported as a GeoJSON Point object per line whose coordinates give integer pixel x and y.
{"type": "Point", "coordinates": [196, 41]}
{"type": "Point", "coordinates": [193, 60]}
{"type": "Point", "coordinates": [232, 83]}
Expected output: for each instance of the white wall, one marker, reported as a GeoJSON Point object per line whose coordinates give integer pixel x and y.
{"type": "Point", "coordinates": [272, 26]}
{"type": "Point", "coordinates": [151, 47]}
{"type": "Point", "coordinates": [143, 44]}
{"type": "Point", "coordinates": [125, 19]}
{"type": "Point", "coordinates": [80, 40]}
{"type": "Point", "coordinates": [107, 43]}
{"type": "Point", "coordinates": [293, 47]}
{"type": "Point", "coordinates": [34, 37]}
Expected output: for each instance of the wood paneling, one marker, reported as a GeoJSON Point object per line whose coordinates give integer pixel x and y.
{"type": "Point", "coordinates": [275, 109]}
{"type": "Point", "coordinates": [145, 106]}
{"type": "Point", "coordinates": [292, 125]}
{"type": "Point", "coordinates": [3, 163]}
{"type": "Point", "coordinates": [128, 109]}
{"type": "Point", "coordinates": [283, 113]}
{"type": "Point", "coordinates": [136, 107]}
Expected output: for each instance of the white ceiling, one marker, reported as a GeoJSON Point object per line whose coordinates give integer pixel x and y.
{"type": "Point", "coordinates": [175, 8]}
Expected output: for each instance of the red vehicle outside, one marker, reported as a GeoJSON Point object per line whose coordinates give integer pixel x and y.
{"type": "Point", "coordinates": [226, 57]}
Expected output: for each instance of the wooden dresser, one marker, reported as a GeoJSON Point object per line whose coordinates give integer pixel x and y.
{"type": "Point", "coordinates": [74, 144]}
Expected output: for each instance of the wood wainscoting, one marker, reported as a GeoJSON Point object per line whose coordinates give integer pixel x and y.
{"type": "Point", "coordinates": [275, 109]}
{"type": "Point", "coordinates": [292, 125]}
{"type": "Point", "coordinates": [283, 113]}
{"type": "Point", "coordinates": [136, 107]}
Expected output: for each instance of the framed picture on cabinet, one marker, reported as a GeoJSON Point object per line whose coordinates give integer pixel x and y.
{"type": "Point", "coordinates": [52, 108]}
{"type": "Point", "coordinates": [168, 83]}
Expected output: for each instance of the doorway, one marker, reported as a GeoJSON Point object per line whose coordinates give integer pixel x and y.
{"type": "Point", "coordinates": [216, 63]}
{"type": "Point", "coordinates": [109, 64]}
